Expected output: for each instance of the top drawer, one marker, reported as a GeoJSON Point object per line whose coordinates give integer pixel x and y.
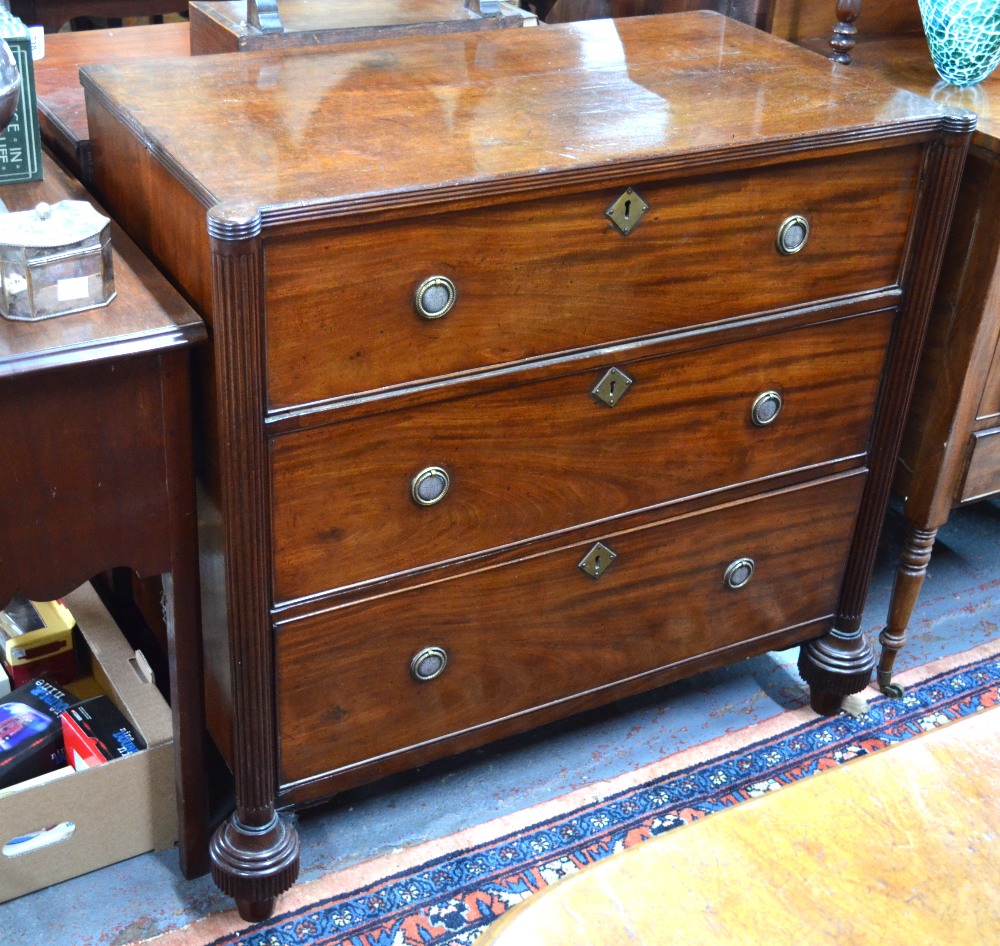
{"type": "Point", "coordinates": [551, 275]}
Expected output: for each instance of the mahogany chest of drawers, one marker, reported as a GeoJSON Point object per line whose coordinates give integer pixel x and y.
{"type": "Point", "coordinates": [546, 366]}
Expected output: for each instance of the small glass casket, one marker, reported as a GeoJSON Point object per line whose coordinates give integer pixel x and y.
{"type": "Point", "coordinates": [54, 260]}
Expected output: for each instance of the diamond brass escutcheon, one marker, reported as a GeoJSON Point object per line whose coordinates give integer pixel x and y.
{"type": "Point", "coordinates": [598, 560]}
{"type": "Point", "coordinates": [612, 387]}
{"type": "Point", "coordinates": [626, 212]}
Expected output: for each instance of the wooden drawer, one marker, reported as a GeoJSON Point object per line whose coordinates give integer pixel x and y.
{"type": "Point", "coordinates": [982, 478]}
{"type": "Point", "coordinates": [539, 630]}
{"type": "Point", "coordinates": [553, 275]}
{"type": "Point", "coordinates": [538, 458]}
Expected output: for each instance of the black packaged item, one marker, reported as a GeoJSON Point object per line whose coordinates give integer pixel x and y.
{"type": "Point", "coordinates": [95, 731]}
{"type": "Point", "coordinates": [31, 740]}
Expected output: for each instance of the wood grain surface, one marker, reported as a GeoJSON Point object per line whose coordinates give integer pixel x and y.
{"type": "Point", "coordinates": [539, 630]}
{"type": "Point", "coordinates": [904, 60]}
{"type": "Point", "coordinates": [62, 108]}
{"type": "Point", "coordinates": [537, 458]}
{"type": "Point", "coordinates": [911, 848]}
{"type": "Point", "coordinates": [340, 311]}
{"type": "Point", "coordinates": [311, 131]}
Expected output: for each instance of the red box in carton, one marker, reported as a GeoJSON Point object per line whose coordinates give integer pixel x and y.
{"type": "Point", "coordinates": [96, 732]}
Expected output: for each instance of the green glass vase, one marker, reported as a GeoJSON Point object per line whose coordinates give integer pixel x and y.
{"type": "Point", "coordinates": [964, 38]}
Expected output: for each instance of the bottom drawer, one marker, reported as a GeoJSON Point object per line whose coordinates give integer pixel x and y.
{"type": "Point", "coordinates": [982, 478]}
{"type": "Point", "coordinates": [540, 630]}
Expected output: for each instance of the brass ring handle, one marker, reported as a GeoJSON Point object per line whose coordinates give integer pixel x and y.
{"type": "Point", "coordinates": [430, 486]}
{"type": "Point", "coordinates": [434, 297]}
{"type": "Point", "coordinates": [766, 408]}
{"type": "Point", "coordinates": [428, 663]}
{"type": "Point", "coordinates": [792, 235]}
{"type": "Point", "coordinates": [739, 573]}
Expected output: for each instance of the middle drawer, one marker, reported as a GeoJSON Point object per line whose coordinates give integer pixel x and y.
{"type": "Point", "coordinates": [541, 457]}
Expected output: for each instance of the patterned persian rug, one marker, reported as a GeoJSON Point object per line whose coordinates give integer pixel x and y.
{"type": "Point", "coordinates": [448, 891]}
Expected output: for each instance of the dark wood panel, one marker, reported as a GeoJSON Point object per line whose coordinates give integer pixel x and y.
{"type": "Point", "coordinates": [547, 456]}
{"type": "Point", "coordinates": [340, 307]}
{"type": "Point", "coordinates": [158, 212]}
{"type": "Point", "coordinates": [540, 630]}
{"type": "Point", "coordinates": [83, 471]}
{"type": "Point", "coordinates": [962, 337]}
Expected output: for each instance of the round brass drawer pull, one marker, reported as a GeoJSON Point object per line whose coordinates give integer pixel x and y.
{"type": "Point", "coordinates": [792, 234]}
{"type": "Point", "coordinates": [428, 663]}
{"type": "Point", "coordinates": [766, 408]}
{"type": "Point", "coordinates": [430, 486]}
{"type": "Point", "coordinates": [434, 297]}
{"type": "Point", "coordinates": [739, 573]}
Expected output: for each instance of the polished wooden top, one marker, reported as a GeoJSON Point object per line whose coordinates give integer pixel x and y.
{"type": "Point", "coordinates": [905, 61]}
{"type": "Point", "coordinates": [898, 847]}
{"type": "Point", "coordinates": [57, 74]}
{"type": "Point", "coordinates": [147, 314]}
{"type": "Point", "coordinates": [492, 112]}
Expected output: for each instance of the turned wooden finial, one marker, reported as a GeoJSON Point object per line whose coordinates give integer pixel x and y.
{"type": "Point", "coordinates": [844, 31]}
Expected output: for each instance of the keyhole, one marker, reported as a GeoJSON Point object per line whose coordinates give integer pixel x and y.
{"type": "Point", "coordinates": [628, 209]}
{"type": "Point", "coordinates": [597, 565]}
{"type": "Point", "coordinates": [611, 390]}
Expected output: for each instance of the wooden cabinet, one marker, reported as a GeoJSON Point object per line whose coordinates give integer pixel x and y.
{"type": "Point", "coordinates": [511, 410]}
{"type": "Point", "coordinates": [98, 472]}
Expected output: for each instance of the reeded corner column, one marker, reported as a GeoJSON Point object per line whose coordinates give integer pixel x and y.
{"type": "Point", "coordinates": [255, 855]}
{"type": "Point", "coordinates": [842, 661]}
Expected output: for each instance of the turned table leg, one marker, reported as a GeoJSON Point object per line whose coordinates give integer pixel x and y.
{"type": "Point", "coordinates": [910, 575]}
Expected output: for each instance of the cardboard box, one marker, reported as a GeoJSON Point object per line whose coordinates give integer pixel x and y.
{"type": "Point", "coordinates": [118, 810]}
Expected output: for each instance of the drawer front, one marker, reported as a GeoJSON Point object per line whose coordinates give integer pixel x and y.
{"type": "Point", "coordinates": [554, 275]}
{"type": "Point", "coordinates": [540, 630]}
{"type": "Point", "coordinates": [538, 458]}
{"type": "Point", "coordinates": [982, 478]}
{"type": "Point", "coordinates": [989, 406]}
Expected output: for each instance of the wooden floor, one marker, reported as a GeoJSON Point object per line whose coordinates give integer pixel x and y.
{"type": "Point", "coordinates": [897, 847]}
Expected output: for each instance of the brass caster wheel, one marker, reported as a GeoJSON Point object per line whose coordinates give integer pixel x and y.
{"type": "Point", "coordinates": [893, 690]}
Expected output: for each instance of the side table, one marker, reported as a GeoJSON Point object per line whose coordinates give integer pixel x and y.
{"type": "Point", "coordinates": [95, 410]}
{"type": "Point", "coordinates": [62, 110]}
{"type": "Point", "coordinates": [950, 454]}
